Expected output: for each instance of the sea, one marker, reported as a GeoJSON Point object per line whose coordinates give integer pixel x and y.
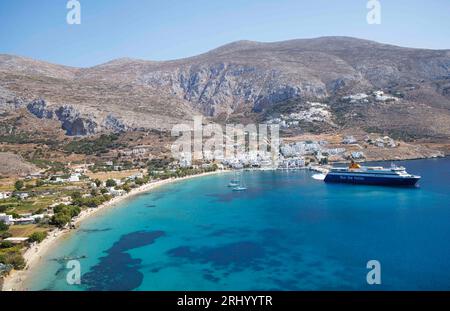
{"type": "Point", "coordinates": [287, 231]}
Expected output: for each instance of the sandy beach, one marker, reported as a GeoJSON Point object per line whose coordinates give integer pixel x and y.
{"type": "Point", "coordinates": [15, 281]}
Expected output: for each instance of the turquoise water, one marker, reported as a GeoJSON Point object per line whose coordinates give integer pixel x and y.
{"type": "Point", "coordinates": [287, 232]}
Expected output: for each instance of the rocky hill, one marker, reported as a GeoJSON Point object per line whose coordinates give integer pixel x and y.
{"type": "Point", "coordinates": [243, 78]}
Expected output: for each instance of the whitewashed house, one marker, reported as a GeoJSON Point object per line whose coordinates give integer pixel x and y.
{"type": "Point", "coordinates": [74, 178]}
{"type": "Point", "coordinates": [349, 140]}
{"type": "Point", "coordinates": [116, 192]}
{"type": "Point", "coordinates": [5, 195]}
{"type": "Point", "coordinates": [357, 155]}
{"type": "Point", "coordinates": [7, 219]}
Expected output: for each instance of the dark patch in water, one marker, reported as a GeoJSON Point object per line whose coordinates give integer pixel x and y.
{"type": "Point", "coordinates": [94, 230]}
{"type": "Point", "coordinates": [118, 271]}
{"type": "Point", "coordinates": [228, 232]}
{"type": "Point", "coordinates": [210, 277]}
{"type": "Point", "coordinates": [60, 270]}
{"type": "Point", "coordinates": [150, 205]}
{"type": "Point", "coordinates": [239, 255]}
{"type": "Point", "coordinates": [159, 194]}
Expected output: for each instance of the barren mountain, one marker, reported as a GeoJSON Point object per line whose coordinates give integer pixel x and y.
{"type": "Point", "coordinates": [244, 77]}
{"type": "Point", "coordinates": [13, 164]}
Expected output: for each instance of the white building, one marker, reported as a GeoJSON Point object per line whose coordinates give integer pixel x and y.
{"type": "Point", "coordinates": [349, 140]}
{"type": "Point", "coordinates": [7, 219]}
{"type": "Point", "coordinates": [24, 221]}
{"type": "Point", "coordinates": [21, 195]}
{"type": "Point", "coordinates": [292, 163]}
{"type": "Point", "coordinates": [357, 155]}
{"type": "Point", "coordinates": [16, 240]}
{"type": "Point", "coordinates": [74, 178]}
{"type": "Point", "coordinates": [5, 195]}
{"type": "Point", "coordinates": [135, 176]}
{"type": "Point", "coordinates": [116, 192]}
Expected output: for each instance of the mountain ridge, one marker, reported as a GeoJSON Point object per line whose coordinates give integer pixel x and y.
{"type": "Point", "coordinates": [240, 77]}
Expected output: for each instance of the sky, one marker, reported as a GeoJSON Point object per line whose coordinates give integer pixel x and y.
{"type": "Point", "coordinates": [172, 29]}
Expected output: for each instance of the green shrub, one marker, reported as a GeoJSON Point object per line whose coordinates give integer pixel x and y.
{"type": "Point", "coordinates": [18, 185]}
{"type": "Point", "coordinates": [60, 219]}
{"type": "Point", "coordinates": [37, 236]}
{"type": "Point", "coordinates": [111, 183]}
{"type": "Point", "coordinates": [6, 244]}
{"type": "Point", "coordinates": [3, 226]}
{"type": "Point", "coordinates": [13, 258]}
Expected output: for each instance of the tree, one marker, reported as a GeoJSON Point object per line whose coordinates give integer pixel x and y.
{"type": "Point", "coordinates": [6, 244]}
{"type": "Point", "coordinates": [39, 183]}
{"type": "Point", "coordinates": [98, 182]}
{"type": "Point", "coordinates": [139, 181]}
{"type": "Point", "coordinates": [59, 208]}
{"type": "Point", "coordinates": [60, 219]}
{"type": "Point", "coordinates": [38, 236]}
{"type": "Point", "coordinates": [18, 185]}
{"type": "Point", "coordinates": [126, 187]}
{"type": "Point", "coordinates": [3, 226]}
{"type": "Point", "coordinates": [76, 195]}
{"type": "Point", "coordinates": [111, 183]}
{"type": "Point", "coordinates": [13, 258]}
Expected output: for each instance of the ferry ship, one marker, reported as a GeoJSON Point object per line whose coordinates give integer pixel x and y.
{"type": "Point", "coordinates": [371, 175]}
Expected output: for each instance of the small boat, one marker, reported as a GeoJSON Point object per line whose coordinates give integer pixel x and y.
{"type": "Point", "coordinates": [240, 187]}
{"type": "Point", "coordinates": [235, 181]}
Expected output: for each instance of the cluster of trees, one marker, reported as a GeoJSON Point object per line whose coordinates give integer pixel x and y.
{"type": "Point", "coordinates": [37, 236]}
{"type": "Point", "coordinates": [64, 214]}
{"type": "Point", "coordinates": [20, 185]}
{"type": "Point", "coordinates": [92, 201]}
{"type": "Point", "coordinates": [9, 253]}
{"type": "Point", "coordinates": [3, 226]}
{"type": "Point", "coordinates": [4, 230]}
{"type": "Point", "coordinates": [159, 164]}
{"type": "Point", "coordinates": [88, 146]}
{"type": "Point", "coordinates": [182, 172]}
{"type": "Point", "coordinates": [12, 257]}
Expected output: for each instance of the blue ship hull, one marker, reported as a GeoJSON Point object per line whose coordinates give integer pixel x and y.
{"type": "Point", "coordinates": [371, 180]}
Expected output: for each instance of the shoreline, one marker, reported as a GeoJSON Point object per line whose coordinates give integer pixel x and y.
{"type": "Point", "coordinates": [15, 280]}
